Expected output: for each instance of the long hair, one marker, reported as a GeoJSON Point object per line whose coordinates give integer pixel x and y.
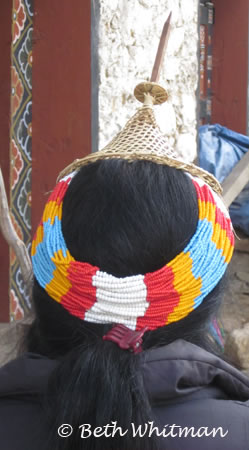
{"type": "Point", "coordinates": [127, 219]}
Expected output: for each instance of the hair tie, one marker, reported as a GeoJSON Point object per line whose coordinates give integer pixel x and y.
{"type": "Point", "coordinates": [125, 338]}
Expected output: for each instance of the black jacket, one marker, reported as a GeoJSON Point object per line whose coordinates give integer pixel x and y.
{"type": "Point", "coordinates": [187, 387]}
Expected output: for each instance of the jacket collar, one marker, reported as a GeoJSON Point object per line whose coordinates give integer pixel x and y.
{"type": "Point", "coordinates": [25, 375]}
{"type": "Point", "coordinates": [182, 369]}
{"type": "Point", "coordinates": [171, 373]}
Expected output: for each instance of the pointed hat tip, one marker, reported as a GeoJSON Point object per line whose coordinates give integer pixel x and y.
{"type": "Point", "coordinates": [157, 93]}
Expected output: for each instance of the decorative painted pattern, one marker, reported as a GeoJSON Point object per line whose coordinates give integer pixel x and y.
{"type": "Point", "coordinates": [21, 145]}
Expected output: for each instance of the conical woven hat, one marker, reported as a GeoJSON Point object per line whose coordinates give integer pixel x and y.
{"type": "Point", "coordinates": [142, 139]}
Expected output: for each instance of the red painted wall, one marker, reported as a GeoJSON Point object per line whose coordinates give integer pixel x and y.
{"type": "Point", "coordinates": [5, 52]}
{"type": "Point", "coordinates": [230, 64]}
{"type": "Point", "coordinates": [61, 125]}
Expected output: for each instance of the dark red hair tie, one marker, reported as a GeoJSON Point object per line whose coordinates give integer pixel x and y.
{"type": "Point", "coordinates": [125, 338]}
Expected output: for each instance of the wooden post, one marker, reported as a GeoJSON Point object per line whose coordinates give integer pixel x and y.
{"type": "Point", "coordinates": [236, 180]}
{"type": "Point", "coordinates": [230, 64]}
{"type": "Point", "coordinates": [11, 236]}
{"type": "Point", "coordinates": [61, 128]}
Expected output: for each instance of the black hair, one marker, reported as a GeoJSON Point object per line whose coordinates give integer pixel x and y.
{"type": "Point", "coordinates": [127, 218]}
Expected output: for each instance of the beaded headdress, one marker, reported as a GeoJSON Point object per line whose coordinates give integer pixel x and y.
{"type": "Point", "coordinates": [151, 300]}
{"type": "Point", "coordinates": [144, 301]}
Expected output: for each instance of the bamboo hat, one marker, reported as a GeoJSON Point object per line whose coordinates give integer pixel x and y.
{"type": "Point", "coordinates": [142, 139]}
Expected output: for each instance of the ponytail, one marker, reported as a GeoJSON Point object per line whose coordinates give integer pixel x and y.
{"type": "Point", "coordinates": [98, 389]}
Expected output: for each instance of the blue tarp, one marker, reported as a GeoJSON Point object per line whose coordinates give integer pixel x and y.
{"type": "Point", "coordinates": [220, 150]}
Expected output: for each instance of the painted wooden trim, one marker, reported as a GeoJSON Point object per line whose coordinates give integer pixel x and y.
{"type": "Point", "coordinates": [5, 52]}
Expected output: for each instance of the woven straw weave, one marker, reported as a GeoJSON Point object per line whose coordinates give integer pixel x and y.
{"type": "Point", "coordinates": [141, 139]}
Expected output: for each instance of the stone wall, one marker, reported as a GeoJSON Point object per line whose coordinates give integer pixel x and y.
{"type": "Point", "coordinates": [129, 36]}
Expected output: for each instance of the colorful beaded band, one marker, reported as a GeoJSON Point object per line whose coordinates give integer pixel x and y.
{"type": "Point", "coordinates": [151, 300]}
